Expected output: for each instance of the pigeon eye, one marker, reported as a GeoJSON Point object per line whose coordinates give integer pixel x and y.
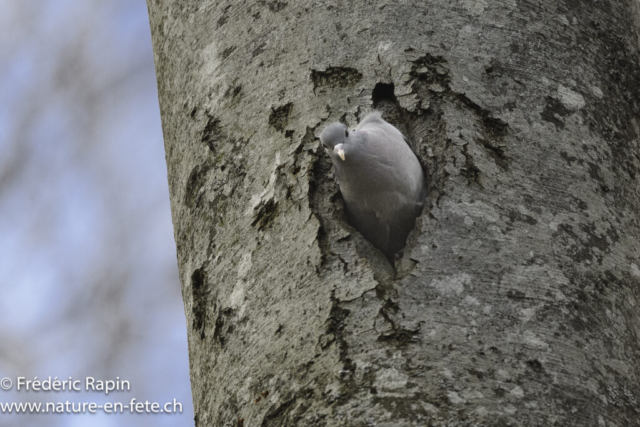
{"type": "Point", "coordinates": [346, 133]}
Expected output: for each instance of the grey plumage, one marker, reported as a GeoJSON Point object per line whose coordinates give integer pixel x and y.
{"type": "Point", "coordinates": [380, 179]}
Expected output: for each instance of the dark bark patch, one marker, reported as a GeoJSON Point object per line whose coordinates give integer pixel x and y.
{"type": "Point", "coordinates": [233, 94]}
{"type": "Point", "coordinates": [496, 152]}
{"type": "Point", "coordinates": [476, 373]}
{"type": "Point", "coordinates": [584, 317]}
{"type": "Point", "coordinates": [277, 6]}
{"type": "Point", "coordinates": [323, 190]}
{"type": "Point", "coordinates": [516, 294]}
{"type": "Point", "coordinates": [594, 239]}
{"type": "Point", "coordinates": [335, 324]}
{"type": "Point", "coordinates": [335, 77]}
{"type": "Point", "coordinates": [469, 170]}
{"type": "Point", "coordinates": [492, 127]}
{"type": "Point", "coordinates": [575, 249]}
{"type": "Point", "coordinates": [212, 132]}
{"type": "Point", "coordinates": [215, 207]}
{"type": "Point", "coordinates": [569, 159]}
{"type": "Point", "coordinates": [532, 203]}
{"type": "Point", "coordinates": [496, 69]}
{"type": "Point", "coordinates": [431, 69]}
{"type": "Point", "coordinates": [535, 366]}
{"type": "Point", "coordinates": [618, 68]}
{"type": "Point", "coordinates": [510, 106]}
{"type": "Point", "coordinates": [492, 130]}
{"type": "Point", "coordinates": [224, 325]}
{"type": "Point", "coordinates": [266, 211]}
{"type": "Point", "coordinates": [399, 337]}
{"type": "Point", "coordinates": [277, 414]}
{"type": "Point", "coordinates": [258, 50]}
{"type": "Point", "coordinates": [594, 172]}
{"type": "Point", "coordinates": [554, 111]}
{"type": "Point", "coordinates": [213, 231]}
{"type": "Point", "coordinates": [228, 51]}
{"type": "Point", "coordinates": [199, 290]}
{"type": "Point", "coordinates": [517, 216]}
{"type": "Point", "coordinates": [578, 205]}
{"type": "Point", "coordinates": [194, 190]}
{"type": "Point", "coordinates": [580, 247]}
{"type": "Point", "coordinates": [279, 116]}
{"type": "Point", "coordinates": [223, 18]}
{"type": "Point", "coordinates": [499, 391]}
{"type": "Point", "coordinates": [405, 410]}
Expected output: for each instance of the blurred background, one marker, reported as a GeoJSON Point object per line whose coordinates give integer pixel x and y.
{"type": "Point", "coordinates": [89, 283]}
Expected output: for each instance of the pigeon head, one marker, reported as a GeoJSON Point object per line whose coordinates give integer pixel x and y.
{"type": "Point", "coordinates": [335, 139]}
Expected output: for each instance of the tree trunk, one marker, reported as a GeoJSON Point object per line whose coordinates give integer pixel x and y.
{"type": "Point", "coordinates": [517, 299]}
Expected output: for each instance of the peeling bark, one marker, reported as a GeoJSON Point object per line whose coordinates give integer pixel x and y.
{"type": "Point", "coordinates": [516, 302]}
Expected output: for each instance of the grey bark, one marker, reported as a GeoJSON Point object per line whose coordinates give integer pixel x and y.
{"type": "Point", "coordinates": [517, 300]}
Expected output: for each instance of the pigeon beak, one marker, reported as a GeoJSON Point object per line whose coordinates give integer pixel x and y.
{"type": "Point", "coordinates": [339, 150]}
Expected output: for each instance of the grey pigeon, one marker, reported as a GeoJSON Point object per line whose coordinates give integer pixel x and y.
{"type": "Point", "coordinates": [380, 179]}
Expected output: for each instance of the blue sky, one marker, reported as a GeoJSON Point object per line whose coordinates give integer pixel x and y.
{"type": "Point", "coordinates": [87, 257]}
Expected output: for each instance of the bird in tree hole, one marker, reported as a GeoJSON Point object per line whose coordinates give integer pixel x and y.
{"type": "Point", "coordinates": [380, 179]}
